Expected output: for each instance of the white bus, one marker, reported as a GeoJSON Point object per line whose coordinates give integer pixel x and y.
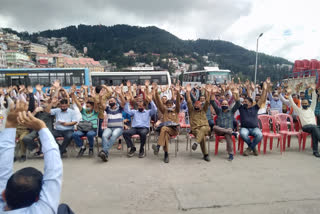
{"type": "Point", "coordinates": [211, 75]}
{"type": "Point", "coordinates": [139, 78]}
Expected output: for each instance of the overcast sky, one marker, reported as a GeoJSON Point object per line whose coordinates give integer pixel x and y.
{"type": "Point", "coordinates": [291, 27]}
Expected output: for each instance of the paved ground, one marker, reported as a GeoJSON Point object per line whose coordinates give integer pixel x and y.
{"type": "Point", "coordinates": [270, 183]}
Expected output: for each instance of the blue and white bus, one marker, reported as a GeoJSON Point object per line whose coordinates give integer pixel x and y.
{"type": "Point", "coordinates": [44, 76]}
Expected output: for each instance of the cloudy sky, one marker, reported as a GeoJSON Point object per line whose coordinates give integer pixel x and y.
{"type": "Point", "coordinates": [291, 27]}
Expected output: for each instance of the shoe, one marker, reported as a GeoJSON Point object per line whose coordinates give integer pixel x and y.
{"type": "Point", "coordinates": [316, 154]}
{"type": "Point", "coordinates": [141, 153]}
{"type": "Point", "coordinates": [206, 158]}
{"type": "Point", "coordinates": [23, 158]}
{"type": "Point", "coordinates": [38, 154]}
{"type": "Point", "coordinates": [103, 156]}
{"type": "Point", "coordinates": [90, 152]}
{"type": "Point", "coordinates": [194, 146]}
{"type": "Point", "coordinates": [80, 154]}
{"type": "Point", "coordinates": [119, 146]}
{"type": "Point", "coordinates": [255, 152]}
{"type": "Point", "coordinates": [14, 159]}
{"type": "Point", "coordinates": [166, 158]}
{"type": "Point", "coordinates": [155, 149]}
{"type": "Point", "coordinates": [235, 134]}
{"type": "Point", "coordinates": [247, 152]}
{"type": "Point", "coordinates": [230, 158]}
{"type": "Point", "coordinates": [132, 151]}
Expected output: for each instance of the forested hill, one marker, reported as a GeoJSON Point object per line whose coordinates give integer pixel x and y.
{"type": "Point", "coordinates": [111, 42]}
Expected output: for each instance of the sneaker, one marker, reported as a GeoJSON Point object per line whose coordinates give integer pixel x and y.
{"type": "Point", "coordinates": [155, 149]}
{"type": "Point", "coordinates": [230, 158]}
{"type": "Point", "coordinates": [81, 152]}
{"type": "Point", "coordinates": [316, 154]}
{"type": "Point", "coordinates": [206, 158]}
{"type": "Point", "coordinates": [194, 146]}
{"type": "Point", "coordinates": [132, 151]}
{"type": "Point", "coordinates": [103, 156]}
{"type": "Point", "coordinates": [247, 152]}
{"type": "Point", "coordinates": [255, 152]}
{"type": "Point", "coordinates": [166, 158]}
{"type": "Point", "coordinates": [23, 158]}
{"type": "Point", "coordinates": [90, 152]}
{"type": "Point", "coordinates": [141, 153]}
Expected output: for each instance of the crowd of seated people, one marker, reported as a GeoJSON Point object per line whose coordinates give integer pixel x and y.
{"type": "Point", "coordinates": [127, 112]}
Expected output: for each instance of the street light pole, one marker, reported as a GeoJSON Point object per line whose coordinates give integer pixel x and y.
{"type": "Point", "coordinates": [256, 67]}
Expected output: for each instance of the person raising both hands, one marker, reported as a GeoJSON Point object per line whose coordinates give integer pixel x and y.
{"type": "Point", "coordinates": [28, 190]}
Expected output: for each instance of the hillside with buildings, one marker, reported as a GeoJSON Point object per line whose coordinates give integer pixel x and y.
{"type": "Point", "coordinates": [102, 48]}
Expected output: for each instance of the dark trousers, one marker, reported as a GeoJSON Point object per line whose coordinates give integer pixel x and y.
{"type": "Point", "coordinates": [29, 142]}
{"type": "Point", "coordinates": [315, 134]}
{"type": "Point", "coordinates": [318, 120]}
{"type": "Point", "coordinates": [142, 132]}
{"type": "Point", "coordinates": [64, 209]}
{"type": "Point", "coordinates": [67, 137]}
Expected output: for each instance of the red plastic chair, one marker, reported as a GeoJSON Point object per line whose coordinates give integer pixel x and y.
{"type": "Point", "coordinates": [220, 137]}
{"type": "Point", "coordinates": [304, 135]}
{"type": "Point", "coordinates": [269, 133]}
{"type": "Point", "coordinates": [283, 121]}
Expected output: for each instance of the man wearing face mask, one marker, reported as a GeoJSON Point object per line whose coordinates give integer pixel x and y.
{"type": "Point", "coordinates": [275, 102]}
{"type": "Point", "coordinates": [115, 125]}
{"type": "Point", "coordinates": [225, 117]}
{"type": "Point", "coordinates": [249, 121]}
{"type": "Point", "coordinates": [90, 114]}
{"type": "Point", "coordinates": [198, 122]}
{"type": "Point", "coordinates": [170, 114]}
{"type": "Point", "coordinates": [65, 121]}
{"type": "Point", "coordinates": [140, 125]}
{"type": "Point", "coordinates": [307, 118]}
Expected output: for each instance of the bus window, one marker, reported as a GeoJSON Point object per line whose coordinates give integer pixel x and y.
{"type": "Point", "coordinates": [44, 79]}
{"type": "Point", "coordinates": [164, 80]}
{"type": "Point", "coordinates": [33, 79]}
{"type": "Point", "coordinates": [68, 79]}
{"type": "Point", "coordinates": [2, 80]}
{"type": "Point", "coordinates": [61, 77]}
{"type": "Point", "coordinates": [132, 79]}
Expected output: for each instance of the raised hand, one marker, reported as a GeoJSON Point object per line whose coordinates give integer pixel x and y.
{"type": "Point", "coordinates": [30, 89]}
{"type": "Point", "coordinates": [128, 83]}
{"type": "Point", "coordinates": [188, 88]}
{"type": "Point", "coordinates": [147, 83]}
{"type": "Point", "coordinates": [313, 86]}
{"type": "Point", "coordinates": [56, 84]}
{"type": "Point", "coordinates": [29, 121]}
{"type": "Point", "coordinates": [265, 86]}
{"type": "Point", "coordinates": [13, 114]}
{"type": "Point", "coordinates": [117, 90]}
{"type": "Point", "coordinates": [268, 81]}
{"type": "Point", "coordinates": [289, 91]}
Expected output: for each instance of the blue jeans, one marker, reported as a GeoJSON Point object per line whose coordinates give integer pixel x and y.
{"type": "Point", "coordinates": [255, 132]}
{"type": "Point", "coordinates": [109, 137]}
{"type": "Point", "coordinates": [90, 135]}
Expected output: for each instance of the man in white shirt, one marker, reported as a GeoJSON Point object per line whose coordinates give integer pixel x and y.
{"type": "Point", "coordinates": [307, 118]}
{"type": "Point", "coordinates": [65, 121]}
{"type": "Point", "coordinates": [28, 190]}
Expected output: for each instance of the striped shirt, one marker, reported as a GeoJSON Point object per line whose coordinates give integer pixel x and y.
{"type": "Point", "coordinates": [115, 119]}
{"type": "Point", "coordinates": [91, 117]}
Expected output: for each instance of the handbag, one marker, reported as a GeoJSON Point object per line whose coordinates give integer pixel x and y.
{"type": "Point", "coordinates": [85, 126]}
